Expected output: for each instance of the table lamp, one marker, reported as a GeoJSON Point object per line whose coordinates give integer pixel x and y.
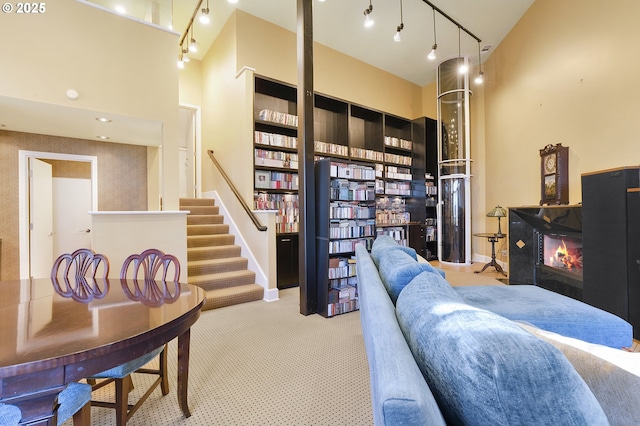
{"type": "Point", "coordinates": [498, 212]}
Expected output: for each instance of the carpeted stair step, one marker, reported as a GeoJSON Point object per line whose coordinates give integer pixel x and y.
{"type": "Point", "coordinates": [210, 229]}
{"type": "Point", "coordinates": [210, 240]}
{"type": "Point", "coordinates": [224, 279]}
{"type": "Point", "coordinates": [203, 253]}
{"type": "Point", "coordinates": [197, 202]}
{"type": "Point", "coordinates": [216, 266]}
{"type": "Point", "coordinates": [204, 219]}
{"type": "Point", "coordinates": [233, 296]}
{"type": "Point", "coordinates": [201, 210]}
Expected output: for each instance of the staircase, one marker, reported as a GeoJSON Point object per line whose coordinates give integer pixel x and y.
{"type": "Point", "coordinates": [213, 260]}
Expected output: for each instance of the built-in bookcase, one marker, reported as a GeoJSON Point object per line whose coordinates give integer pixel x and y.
{"type": "Point", "coordinates": [394, 147]}
{"type": "Point", "coordinates": [345, 216]}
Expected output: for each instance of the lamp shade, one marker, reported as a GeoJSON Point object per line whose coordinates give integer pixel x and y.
{"type": "Point", "coordinates": [497, 211]}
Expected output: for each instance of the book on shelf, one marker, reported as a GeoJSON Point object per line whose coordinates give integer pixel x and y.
{"type": "Point", "coordinates": [278, 117]}
{"type": "Point", "coordinates": [275, 139]}
{"type": "Point", "coordinates": [397, 142]}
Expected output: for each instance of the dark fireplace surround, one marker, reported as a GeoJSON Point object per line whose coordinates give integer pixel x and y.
{"type": "Point", "coordinates": [556, 267]}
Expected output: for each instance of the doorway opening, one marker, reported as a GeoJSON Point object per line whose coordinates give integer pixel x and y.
{"type": "Point", "coordinates": [36, 208]}
{"type": "Point", "coordinates": [189, 152]}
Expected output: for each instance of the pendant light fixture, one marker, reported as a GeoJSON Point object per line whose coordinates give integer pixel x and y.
{"type": "Point", "coordinates": [480, 77]}
{"type": "Point", "coordinates": [204, 15]}
{"type": "Point", "coordinates": [397, 37]}
{"type": "Point", "coordinates": [368, 20]}
{"type": "Point", "coordinates": [432, 55]}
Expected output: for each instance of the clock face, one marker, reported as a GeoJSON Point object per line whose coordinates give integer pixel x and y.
{"type": "Point", "coordinates": [550, 164]}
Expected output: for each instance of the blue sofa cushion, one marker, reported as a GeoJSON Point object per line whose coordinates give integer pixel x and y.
{"type": "Point", "coordinates": [72, 399]}
{"type": "Point", "coordinates": [397, 269]}
{"type": "Point", "coordinates": [383, 243]}
{"type": "Point", "coordinates": [399, 393]}
{"type": "Point", "coordinates": [483, 369]}
{"type": "Point", "coordinates": [10, 415]}
{"type": "Point", "coordinates": [552, 312]}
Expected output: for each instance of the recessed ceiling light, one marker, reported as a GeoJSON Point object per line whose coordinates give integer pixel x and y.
{"type": "Point", "coordinates": [104, 138]}
{"type": "Point", "coordinates": [103, 119]}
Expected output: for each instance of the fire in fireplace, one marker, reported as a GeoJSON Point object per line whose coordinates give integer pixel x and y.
{"type": "Point", "coordinates": [563, 252]}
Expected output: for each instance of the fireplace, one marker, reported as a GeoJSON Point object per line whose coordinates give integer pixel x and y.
{"type": "Point", "coordinates": [562, 252]}
{"type": "Point", "coordinates": [545, 248]}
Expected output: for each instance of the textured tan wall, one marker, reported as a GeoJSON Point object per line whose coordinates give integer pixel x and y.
{"type": "Point", "coordinates": [567, 73]}
{"type": "Point", "coordinates": [122, 181]}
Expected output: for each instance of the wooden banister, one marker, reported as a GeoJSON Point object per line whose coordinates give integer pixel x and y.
{"type": "Point", "coordinates": [252, 216]}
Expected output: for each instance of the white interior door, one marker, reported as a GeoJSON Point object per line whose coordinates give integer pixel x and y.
{"type": "Point", "coordinates": [40, 218]}
{"type": "Point", "coordinates": [71, 219]}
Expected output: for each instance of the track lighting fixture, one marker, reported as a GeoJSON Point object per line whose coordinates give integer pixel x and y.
{"type": "Point", "coordinates": [432, 55]}
{"type": "Point", "coordinates": [368, 20]}
{"type": "Point", "coordinates": [204, 15]}
{"type": "Point", "coordinates": [398, 37]}
{"type": "Point", "coordinates": [180, 62]}
{"type": "Point", "coordinates": [480, 77]}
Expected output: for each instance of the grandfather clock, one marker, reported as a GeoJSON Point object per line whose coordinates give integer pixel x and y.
{"type": "Point", "coordinates": [554, 173]}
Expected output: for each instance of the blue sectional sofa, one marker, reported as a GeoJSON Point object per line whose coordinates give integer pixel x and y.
{"type": "Point", "coordinates": [436, 359]}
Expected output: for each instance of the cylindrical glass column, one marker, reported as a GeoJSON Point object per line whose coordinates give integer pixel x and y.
{"type": "Point", "coordinates": [454, 196]}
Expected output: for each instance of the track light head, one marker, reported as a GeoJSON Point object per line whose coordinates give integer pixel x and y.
{"type": "Point", "coordinates": [368, 21]}
{"type": "Point", "coordinates": [204, 16]}
{"type": "Point", "coordinates": [193, 45]}
{"type": "Point", "coordinates": [398, 37]}
{"type": "Point", "coordinates": [432, 55]}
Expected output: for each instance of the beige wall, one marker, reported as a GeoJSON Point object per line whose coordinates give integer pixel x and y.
{"type": "Point", "coordinates": [122, 177]}
{"type": "Point", "coordinates": [98, 54]}
{"type": "Point", "coordinates": [565, 74]}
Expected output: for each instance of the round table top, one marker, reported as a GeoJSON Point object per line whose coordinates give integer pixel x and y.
{"type": "Point", "coordinates": [46, 323]}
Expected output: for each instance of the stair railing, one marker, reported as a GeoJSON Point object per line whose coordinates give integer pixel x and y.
{"type": "Point", "coordinates": [252, 216]}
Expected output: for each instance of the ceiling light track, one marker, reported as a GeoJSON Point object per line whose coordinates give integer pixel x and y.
{"type": "Point", "coordinates": [453, 21]}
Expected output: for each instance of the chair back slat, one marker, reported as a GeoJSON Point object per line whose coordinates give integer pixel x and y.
{"type": "Point", "coordinates": [74, 275]}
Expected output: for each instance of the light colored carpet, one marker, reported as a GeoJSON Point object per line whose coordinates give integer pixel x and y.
{"type": "Point", "coordinates": [264, 363]}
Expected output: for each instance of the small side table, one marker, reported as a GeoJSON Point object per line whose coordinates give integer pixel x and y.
{"type": "Point", "coordinates": [493, 239]}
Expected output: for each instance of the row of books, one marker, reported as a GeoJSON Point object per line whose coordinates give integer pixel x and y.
{"type": "Point", "coordinates": [351, 211]}
{"type": "Point", "coordinates": [287, 227]}
{"type": "Point", "coordinates": [348, 190]}
{"type": "Point", "coordinates": [392, 217]}
{"type": "Point", "coordinates": [278, 117]}
{"type": "Point", "coordinates": [431, 189]}
{"type": "Point", "coordinates": [397, 188]}
{"type": "Point", "coordinates": [403, 160]}
{"type": "Point", "coordinates": [275, 139]}
{"type": "Point", "coordinates": [330, 148]}
{"type": "Point", "coordinates": [397, 233]}
{"type": "Point", "coordinates": [275, 180]}
{"type": "Point", "coordinates": [397, 142]}
{"type": "Point", "coordinates": [342, 308]}
{"type": "Point", "coordinates": [394, 172]}
{"type": "Point", "coordinates": [352, 171]}
{"type": "Point", "coordinates": [268, 158]}
{"type": "Point", "coordinates": [269, 201]}
{"type": "Point", "coordinates": [342, 267]}
{"type": "Point", "coordinates": [352, 229]}
{"type": "Point", "coordinates": [349, 246]}
{"type": "Point", "coordinates": [367, 154]}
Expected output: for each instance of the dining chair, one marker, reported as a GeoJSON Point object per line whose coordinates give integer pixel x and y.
{"type": "Point", "coordinates": [150, 265]}
{"type": "Point", "coordinates": [74, 402]}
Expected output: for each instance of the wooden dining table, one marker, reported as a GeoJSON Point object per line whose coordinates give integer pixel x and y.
{"type": "Point", "coordinates": [52, 334]}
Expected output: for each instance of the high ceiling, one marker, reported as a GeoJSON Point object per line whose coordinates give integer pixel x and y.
{"type": "Point", "coordinates": [337, 24]}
